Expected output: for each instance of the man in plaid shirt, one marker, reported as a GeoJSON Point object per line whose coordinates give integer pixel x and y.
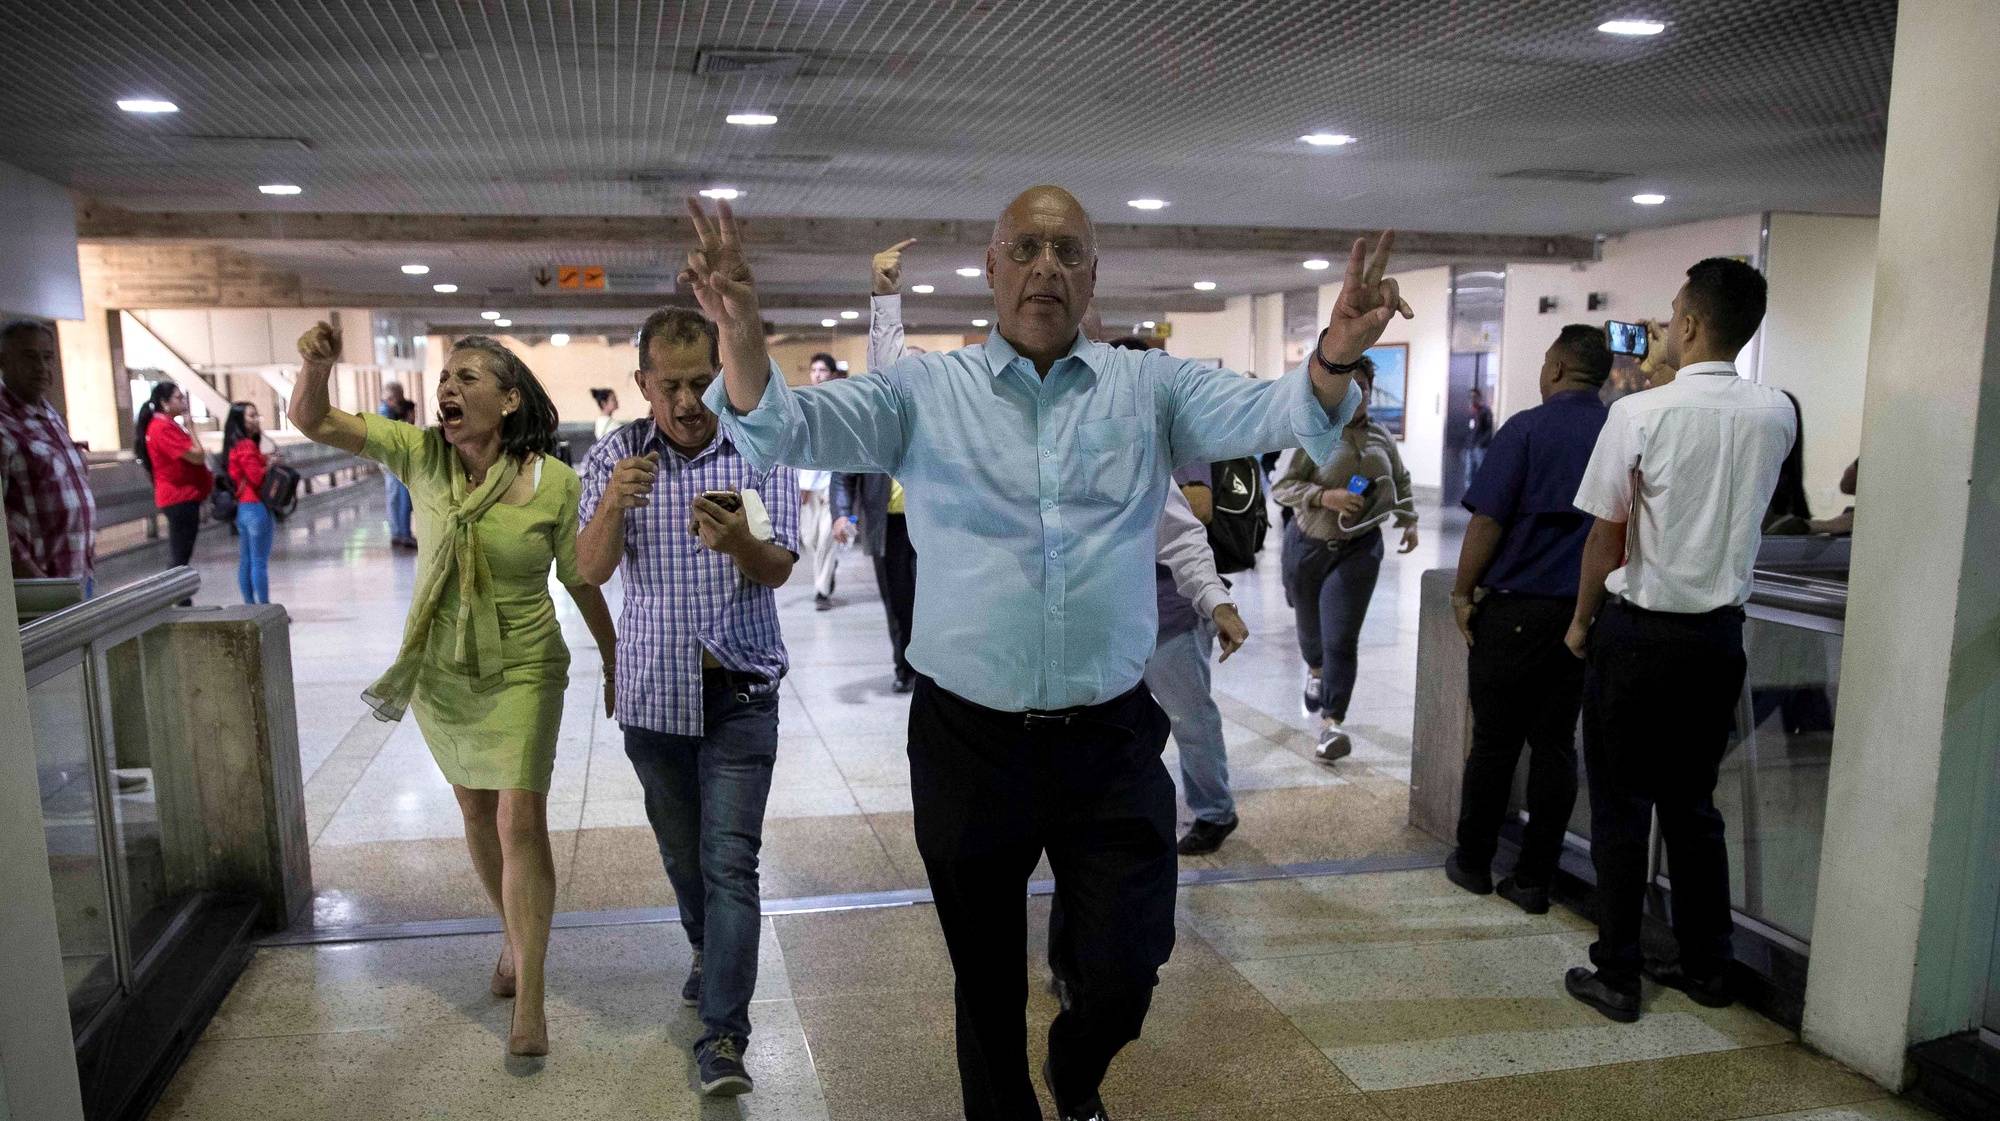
{"type": "Point", "coordinates": [699, 657]}
{"type": "Point", "coordinates": [51, 515]}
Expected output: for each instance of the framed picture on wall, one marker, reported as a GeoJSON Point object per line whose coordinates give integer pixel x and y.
{"type": "Point", "coordinates": [1388, 406]}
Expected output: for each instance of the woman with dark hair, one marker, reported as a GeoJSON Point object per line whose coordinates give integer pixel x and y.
{"type": "Point", "coordinates": [607, 410]}
{"type": "Point", "coordinates": [816, 506]}
{"type": "Point", "coordinates": [1790, 513]}
{"type": "Point", "coordinates": [244, 459]}
{"type": "Point", "coordinates": [181, 478]}
{"type": "Point", "coordinates": [483, 663]}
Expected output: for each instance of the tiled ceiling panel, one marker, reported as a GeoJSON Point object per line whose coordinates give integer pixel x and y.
{"type": "Point", "coordinates": [945, 108]}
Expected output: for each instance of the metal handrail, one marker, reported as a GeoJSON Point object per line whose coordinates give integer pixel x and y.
{"type": "Point", "coordinates": [73, 628]}
{"type": "Point", "coordinates": [1804, 594]}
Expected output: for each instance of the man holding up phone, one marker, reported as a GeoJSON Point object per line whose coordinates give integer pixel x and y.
{"type": "Point", "coordinates": [699, 658]}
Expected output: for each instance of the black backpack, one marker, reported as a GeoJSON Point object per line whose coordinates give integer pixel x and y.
{"type": "Point", "coordinates": [280, 492]}
{"type": "Point", "coordinates": [1236, 531]}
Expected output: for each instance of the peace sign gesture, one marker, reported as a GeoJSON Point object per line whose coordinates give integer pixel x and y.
{"type": "Point", "coordinates": [717, 273]}
{"type": "Point", "coordinates": [1367, 303]}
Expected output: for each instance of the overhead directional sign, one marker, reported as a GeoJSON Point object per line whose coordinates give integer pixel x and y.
{"type": "Point", "coordinates": [589, 277]}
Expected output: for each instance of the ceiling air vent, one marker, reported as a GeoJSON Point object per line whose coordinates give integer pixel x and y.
{"type": "Point", "coordinates": [1565, 175]}
{"type": "Point", "coordinates": [718, 62]}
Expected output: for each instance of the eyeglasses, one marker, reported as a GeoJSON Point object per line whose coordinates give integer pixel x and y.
{"type": "Point", "coordinates": [1070, 252]}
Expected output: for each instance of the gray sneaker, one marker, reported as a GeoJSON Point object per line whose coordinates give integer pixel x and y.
{"type": "Point", "coordinates": [722, 1073]}
{"type": "Point", "coordinates": [691, 988]}
{"type": "Point", "coordinates": [1334, 745]}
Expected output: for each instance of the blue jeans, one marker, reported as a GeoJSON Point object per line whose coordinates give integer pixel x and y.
{"type": "Point", "coordinates": [399, 507]}
{"type": "Point", "coordinates": [705, 798]}
{"type": "Point", "coordinates": [1330, 595]}
{"type": "Point", "coordinates": [253, 551]}
{"type": "Point", "coordinates": [1178, 675]}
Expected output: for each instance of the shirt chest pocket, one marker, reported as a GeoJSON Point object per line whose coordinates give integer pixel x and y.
{"type": "Point", "coordinates": [1106, 466]}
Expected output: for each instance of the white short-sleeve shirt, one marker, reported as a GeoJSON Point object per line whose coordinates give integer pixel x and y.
{"type": "Point", "coordinates": [1689, 467]}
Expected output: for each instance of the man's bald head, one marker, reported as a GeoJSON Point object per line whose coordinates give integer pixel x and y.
{"type": "Point", "coordinates": [1033, 207]}
{"type": "Point", "coordinates": [1042, 267]}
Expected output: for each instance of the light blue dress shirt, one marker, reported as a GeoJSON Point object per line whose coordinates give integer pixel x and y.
{"type": "Point", "coordinates": [1033, 503]}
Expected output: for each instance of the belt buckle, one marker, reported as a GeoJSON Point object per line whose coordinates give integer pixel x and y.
{"type": "Point", "coordinates": [1059, 719]}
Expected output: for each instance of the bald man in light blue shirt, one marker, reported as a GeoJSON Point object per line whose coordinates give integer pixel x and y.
{"type": "Point", "coordinates": [1035, 466]}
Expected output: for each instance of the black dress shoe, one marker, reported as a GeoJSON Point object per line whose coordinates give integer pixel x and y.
{"type": "Point", "coordinates": [1531, 898]}
{"type": "Point", "coordinates": [1709, 992]}
{"type": "Point", "coordinates": [1092, 1110]}
{"type": "Point", "coordinates": [1477, 882]}
{"type": "Point", "coordinates": [1204, 837]}
{"type": "Point", "coordinates": [1586, 986]}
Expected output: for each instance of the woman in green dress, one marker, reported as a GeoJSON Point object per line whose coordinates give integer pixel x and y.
{"type": "Point", "coordinates": [483, 663]}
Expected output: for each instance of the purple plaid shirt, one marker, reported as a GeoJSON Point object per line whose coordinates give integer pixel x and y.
{"type": "Point", "coordinates": [681, 598]}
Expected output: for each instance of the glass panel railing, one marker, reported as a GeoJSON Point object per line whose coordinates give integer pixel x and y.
{"type": "Point", "coordinates": [153, 896]}
{"type": "Point", "coordinates": [59, 708]}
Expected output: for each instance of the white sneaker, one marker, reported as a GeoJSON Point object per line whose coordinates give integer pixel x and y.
{"type": "Point", "coordinates": [1334, 744]}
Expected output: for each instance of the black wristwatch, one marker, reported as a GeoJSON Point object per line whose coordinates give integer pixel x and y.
{"type": "Point", "coordinates": [1334, 367]}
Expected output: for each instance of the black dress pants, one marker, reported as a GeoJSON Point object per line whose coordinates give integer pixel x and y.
{"type": "Point", "coordinates": [991, 791]}
{"type": "Point", "coordinates": [1525, 685]}
{"type": "Point", "coordinates": [1659, 702]}
{"type": "Point", "coordinates": [183, 523]}
{"type": "Point", "coordinates": [896, 579]}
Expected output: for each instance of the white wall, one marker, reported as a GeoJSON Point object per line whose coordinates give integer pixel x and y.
{"type": "Point", "coordinates": [1640, 272]}
{"type": "Point", "coordinates": [1821, 270]}
{"type": "Point", "coordinates": [1267, 341]}
{"type": "Point", "coordinates": [1228, 335]}
{"type": "Point", "coordinates": [1428, 292]}
{"type": "Point", "coordinates": [38, 243]}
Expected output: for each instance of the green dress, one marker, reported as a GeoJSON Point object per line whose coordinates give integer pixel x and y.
{"type": "Point", "coordinates": [484, 664]}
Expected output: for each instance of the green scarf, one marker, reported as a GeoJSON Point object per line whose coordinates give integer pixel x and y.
{"type": "Point", "coordinates": [477, 654]}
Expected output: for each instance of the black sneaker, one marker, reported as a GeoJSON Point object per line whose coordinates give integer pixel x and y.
{"type": "Point", "coordinates": [1531, 898]}
{"type": "Point", "coordinates": [1204, 837]}
{"type": "Point", "coordinates": [1709, 992]}
{"type": "Point", "coordinates": [905, 681]}
{"type": "Point", "coordinates": [1586, 986]}
{"type": "Point", "coordinates": [1309, 696]}
{"type": "Point", "coordinates": [720, 1063]}
{"type": "Point", "coordinates": [691, 988]}
{"type": "Point", "coordinates": [1478, 882]}
{"type": "Point", "coordinates": [822, 603]}
{"type": "Point", "coordinates": [1092, 1110]}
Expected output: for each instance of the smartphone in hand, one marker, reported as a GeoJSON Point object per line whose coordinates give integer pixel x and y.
{"type": "Point", "coordinates": [727, 499]}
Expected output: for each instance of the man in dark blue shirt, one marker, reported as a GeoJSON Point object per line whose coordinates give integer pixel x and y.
{"type": "Point", "coordinates": [1516, 591]}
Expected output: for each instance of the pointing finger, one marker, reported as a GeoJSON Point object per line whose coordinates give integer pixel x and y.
{"type": "Point", "coordinates": [1354, 262]}
{"type": "Point", "coordinates": [901, 245]}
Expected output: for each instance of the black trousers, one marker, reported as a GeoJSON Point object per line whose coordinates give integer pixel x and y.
{"type": "Point", "coordinates": [183, 523]}
{"type": "Point", "coordinates": [993, 790]}
{"type": "Point", "coordinates": [1659, 702]}
{"type": "Point", "coordinates": [1525, 685]}
{"type": "Point", "coordinates": [896, 579]}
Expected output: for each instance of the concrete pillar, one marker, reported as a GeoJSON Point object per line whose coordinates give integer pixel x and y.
{"type": "Point", "coordinates": [1908, 883]}
{"type": "Point", "coordinates": [37, 1059]}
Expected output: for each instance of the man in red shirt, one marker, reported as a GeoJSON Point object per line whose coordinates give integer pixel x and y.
{"type": "Point", "coordinates": [51, 516]}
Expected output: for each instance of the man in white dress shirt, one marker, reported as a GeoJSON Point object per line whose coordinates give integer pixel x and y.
{"type": "Point", "coordinates": [1678, 483]}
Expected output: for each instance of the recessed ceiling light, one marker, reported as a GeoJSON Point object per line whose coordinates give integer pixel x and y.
{"type": "Point", "coordinates": [923, 289]}
{"type": "Point", "coordinates": [1204, 285]}
{"type": "Point", "coordinates": [1147, 204]}
{"type": "Point", "coordinates": [979, 323]}
{"type": "Point", "coordinates": [1649, 200]}
{"type": "Point", "coordinates": [281, 188]}
{"type": "Point", "coordinates": [726, 194]}
{"type": "Point", "coordinates": [558, 339]}
{"type": "Point", "coordinates": [1317, 263]}
{"type": "Point", "coordinates": [415, 270]}
{"type": "Point", "coordinates": [1632, 27]}
{"type": "Point", "coordinates": [147, 105]}
{"type": "Point", "coordinates": [1149, 324]}
{"type": "Point", "coordinates": [444, 289]}
{"type": "Point", "coordinates": [850, 315]}
{"type": "Point", "coordinates": [751, 119]}
{"type": "Point", "coordinates": [828, 322]}
{"type": "Point", "coordinates": [970, 272]}
{"type": "Point", "coordinates": [1326, 139]}
{"type": "Point", "coordinates": [503, 323]}
{"type": "Point", "coordinates": [489, 315]}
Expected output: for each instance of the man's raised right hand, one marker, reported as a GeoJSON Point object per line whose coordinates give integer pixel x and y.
{"type": "Point", "coordinates": [632, 481]}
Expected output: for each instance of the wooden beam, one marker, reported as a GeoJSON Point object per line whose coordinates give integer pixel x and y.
{"type": "Point", "coordinates": [836, 236]}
